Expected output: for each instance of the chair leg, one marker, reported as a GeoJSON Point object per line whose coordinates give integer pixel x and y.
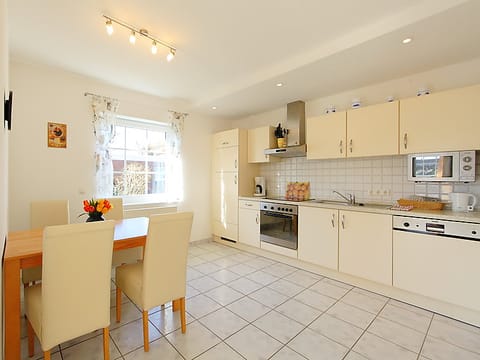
{"type": "Point", "coordinates": [118, 304]}
{"type": "Point", "coordinates": [175, 305]}
{"type": "Point", "coordinates": [182, 315]}
{"type": "Point", "coordinates": [46, 355]}
{"type": "Point", "coordinates": [106, 344]}
{"type": "Point", "coordinates": [146, 347]}
{"type": "Point", "coordinates": [31, 339]}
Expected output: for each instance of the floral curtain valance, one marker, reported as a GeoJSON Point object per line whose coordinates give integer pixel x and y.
{"type": "Point", "coordinates": [104, 114]}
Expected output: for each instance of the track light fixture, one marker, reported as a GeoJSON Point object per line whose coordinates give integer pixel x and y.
{"type": "Point", "coordinates": [143, 32]}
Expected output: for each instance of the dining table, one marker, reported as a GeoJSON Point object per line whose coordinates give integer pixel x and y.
{"type": "Point", "coordinates": [23, 250]}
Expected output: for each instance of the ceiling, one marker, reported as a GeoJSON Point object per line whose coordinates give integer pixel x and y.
{"type": "Point", "coordinates": [231, 54]}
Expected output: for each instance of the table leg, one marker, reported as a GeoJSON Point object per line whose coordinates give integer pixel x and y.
{"type": "Point", "coordinates": [11, 283]}
{"type": "Point", "coordinates": [176, 305]}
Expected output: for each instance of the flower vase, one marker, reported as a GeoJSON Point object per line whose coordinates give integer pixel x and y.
{"type": "Point", "coordinates": [95, 217]}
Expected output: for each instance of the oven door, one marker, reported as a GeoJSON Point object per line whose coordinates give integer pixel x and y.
{"type": "Point", "coordinates": [279, 229]}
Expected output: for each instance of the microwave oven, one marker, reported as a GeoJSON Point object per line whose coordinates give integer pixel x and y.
{"type": "Point", "coordinates": [445, 166]}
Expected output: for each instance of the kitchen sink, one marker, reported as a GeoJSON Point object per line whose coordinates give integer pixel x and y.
{"type": "Point", "coordinates": [335, 202]}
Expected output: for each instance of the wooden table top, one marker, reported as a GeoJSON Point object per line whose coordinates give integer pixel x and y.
{"type": "Point", "coordinates": [28, 243]}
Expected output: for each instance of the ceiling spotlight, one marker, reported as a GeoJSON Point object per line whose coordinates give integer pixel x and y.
{"type": "Point", "coordinates": [109, 26]}
{"type": "Point", "coordinates": [154, 47]}
{"type": "Point", "coordinates": [214, 108]}
{"type": "Point", "coordinates": [132, 38]}
{"type": "Point", "coordinates": [143, 32]}
{"type": "Point", "coordinates": [279, 84]}
{"type": "Point", "coordinates": [171, 55]}
{"type": "Point", "coordinates": [406, 40]}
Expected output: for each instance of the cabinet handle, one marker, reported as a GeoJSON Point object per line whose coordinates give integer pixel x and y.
{"type": "Point", "coordinates": [351, 145]}
{"type": "Point", "coordinates": [235, 163]}
{"type": "Point", "coordinates": [256, 219]}
{"type": "Point", "coordinates": [235, 179]}
{"type": "Point", "coordinates": [248, 204]}
{"type": "Point", "coordinates": [333, 221]}
{"type": "Point", "coordinates": [341, 146]}
{"type": "Point", "coordinates": [405, 140]}
{"type": "Point", "coordinates": [343, 221]}
{"type": "Point", "coordinates": [225, 143]}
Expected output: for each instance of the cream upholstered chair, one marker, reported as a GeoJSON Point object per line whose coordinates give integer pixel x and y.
{"type": "Point", "coordinates": [161, 277]}
{"type": "Point", "coordinates": [45, 213]}
{"type": "Point", "coordinates": [127, 256]}
{"type": "Point", "coordinates": [74, 296]}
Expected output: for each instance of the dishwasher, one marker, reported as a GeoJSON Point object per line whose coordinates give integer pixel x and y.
{"type": "Point", "coordinates": [437, 258]}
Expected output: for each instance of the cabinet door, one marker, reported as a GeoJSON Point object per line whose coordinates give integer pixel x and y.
{"type": "Point", "coordinates": [365, 245]}
{"type": "Point", "coordinates": [318, 236]}
{"type": "Point", "coordinates": [326, 136]}
{"type": "Point", "coordinates": [225, 204]}
{"type": "Point", "coordinates": [226, 138]}
{"type": "Point", "coordinates": [441, 121]}
{"type": "Point", "coordinates": [249, 227]}
{"type": "Point", "coordinates": [260, 139]}
{"type": "Point", "coordinates": [226, 159]}
{"type": "Point", "coordinates": [435, 266]}
{"type": "Point", "coordinates": [373, 130]}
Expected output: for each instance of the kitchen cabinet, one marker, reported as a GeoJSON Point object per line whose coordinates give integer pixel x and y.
{"type": "Point", "coordinates": [365, 245]}
{"type": "Point", "coordinates": [373, 130]}
{"type": "Point", "coordinates": [232, 177]}
{"type": "Point", "coordinates": [439, 267]}
{"type": "Point", "coordinates": [326, 136]}
{"type": "Point", "coordinates": [249, 223]}
{"type": "Point", "coordinates": [260, 139]}
{"type": "Point", "coordinates": [368, 131]}
{"type": "Point", "coordinates": [442, 121]}
{"type": "Point", "coordinates": [318, 236]}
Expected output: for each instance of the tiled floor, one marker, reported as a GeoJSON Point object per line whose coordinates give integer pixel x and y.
{"type": "Point", "coordinates": [243, 306]}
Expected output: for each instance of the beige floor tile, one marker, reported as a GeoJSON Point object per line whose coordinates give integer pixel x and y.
{"type": "Point", "coordinates": [376, 348]}
{"type": "Point", "coordinates": [253, 343]}
{"type": "Point", "coordinates": [159, 349]}
{"type": "Point", "coordinates": [312, 345]}
{"type": "Point", "coordinates": [223, 322]}
{"type": "Point", "coordinates": [338, 330]}
{"type": "Point", "coordinates": [130, 336]}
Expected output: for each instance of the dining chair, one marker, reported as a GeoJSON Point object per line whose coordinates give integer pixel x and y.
{"type": "Point", "coordinates": [161, 276]}
{"type": "Point", "coordinates": [73, 298]}
{"type": "Point", "coordinates": [126, 256]}
{"type": "Point", "coordinates": [45, 213]}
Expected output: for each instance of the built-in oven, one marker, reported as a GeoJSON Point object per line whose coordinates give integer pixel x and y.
{"type": "Point", "coordinates": [279, 224]}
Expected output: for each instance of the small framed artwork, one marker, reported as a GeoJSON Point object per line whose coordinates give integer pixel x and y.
{"type": "Point", "coordinates": [57, 135]}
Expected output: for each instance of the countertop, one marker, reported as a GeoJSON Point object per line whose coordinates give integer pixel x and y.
{"type": "Point", "coordinates": [473, 216]}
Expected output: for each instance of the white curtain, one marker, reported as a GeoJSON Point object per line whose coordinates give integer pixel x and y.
{"type": "Point", "coordinates": [174, 182]}
{"type": "Point", "coordinates": [104, 114]}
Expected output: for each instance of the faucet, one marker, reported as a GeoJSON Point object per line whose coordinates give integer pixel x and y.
{"type": "Point", "coordinates": [350, 198]}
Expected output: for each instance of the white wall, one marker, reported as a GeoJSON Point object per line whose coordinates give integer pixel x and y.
{"type": "Point", "coordinates": [3, 150]}
{"type": "Point", "coordinates": [47, 94]}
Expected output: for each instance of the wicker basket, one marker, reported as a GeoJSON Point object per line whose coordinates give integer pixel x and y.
{"type": "Point", "coordinates": [421, 204]}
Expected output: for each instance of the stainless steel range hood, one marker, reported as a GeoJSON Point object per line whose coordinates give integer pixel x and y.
{"type": "Point", "coordinates": [296, 132]}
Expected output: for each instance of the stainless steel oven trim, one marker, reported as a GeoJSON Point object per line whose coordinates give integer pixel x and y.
{"type": "Point", "coordinates": [283, 212]}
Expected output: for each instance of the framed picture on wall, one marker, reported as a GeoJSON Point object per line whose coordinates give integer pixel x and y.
{"type": "Point", "coordinates": [57, 135]}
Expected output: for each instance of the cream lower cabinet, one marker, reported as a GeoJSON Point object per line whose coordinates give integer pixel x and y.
{"type": "Point", "coordinates": [225, 205]}
{"type": "Point", "coordinates": [439, 267]}
{"type": "Point", "coordinates": [318, 236]}
{"type": "Point", "coordinates": [365, 245]}
{"type": "Point", "coordinates": [442, 121]}
{"type": "Point", "coordinates": [249, 223]}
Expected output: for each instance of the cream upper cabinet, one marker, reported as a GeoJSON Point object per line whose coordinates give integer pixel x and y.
{"type": "Point", "coordinates": [325, 136]}
{"type": "Point", "coordinates": [365, 245]}
{"type": "Point", "coordinates": [439, 267]}
{"type": "Point", "coordinates": [260, 139]}
{"type": "Point", "coordinates": [444, 121]}
{"type": "Point", "coordinates": [226, 138]}
{"type": "Point", "coordinates": [227, 159]}
{"type": "Point", "coordinates": [318, 236]}
{"type": "Point", "coordinates": [373, 130]}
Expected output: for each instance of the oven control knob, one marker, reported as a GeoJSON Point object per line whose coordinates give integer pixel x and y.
{"type": "Point", "coordinates": [406, 224]}
{"type": "Point", "coordinates": [272, 208]}
{"type": "Point", "coordinates": [467, 167]}
{"type": "Point", "coordinates": [467, 158]}
{"type": "Point", "coordinates": [291, 210]}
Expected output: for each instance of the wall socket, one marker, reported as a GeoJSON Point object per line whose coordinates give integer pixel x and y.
{"type": "Point", "coordinates": [379, 192]}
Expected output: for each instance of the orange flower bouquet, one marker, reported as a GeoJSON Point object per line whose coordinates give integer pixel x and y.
{"type": "Point", "coordinates": [96, 209]}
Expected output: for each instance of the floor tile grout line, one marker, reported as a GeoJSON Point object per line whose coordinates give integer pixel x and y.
{"type": "Point", "coordinates": [425, 337]}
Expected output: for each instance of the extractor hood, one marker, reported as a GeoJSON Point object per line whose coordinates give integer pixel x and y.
{"type": "Point", "coordinates": [295, 126]}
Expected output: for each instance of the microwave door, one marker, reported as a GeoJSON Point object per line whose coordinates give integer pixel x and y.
{"type": "Point", "coordinates": [433, 167]}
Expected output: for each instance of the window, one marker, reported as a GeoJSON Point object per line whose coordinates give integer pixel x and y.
{"type": "Point", "coordinates": [144, 165]}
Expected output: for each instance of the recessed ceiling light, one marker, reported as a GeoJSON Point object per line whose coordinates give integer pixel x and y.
{"type": "Point", "coordinates": [406, 40]}
{"type": "Point", "coordinates": [279, 84]}
{"type": "Point", "coordinates": [214, 108]}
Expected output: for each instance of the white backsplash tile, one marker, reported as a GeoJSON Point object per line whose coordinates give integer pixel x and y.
{"type": "Point", "coordinates": [374, 179]}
